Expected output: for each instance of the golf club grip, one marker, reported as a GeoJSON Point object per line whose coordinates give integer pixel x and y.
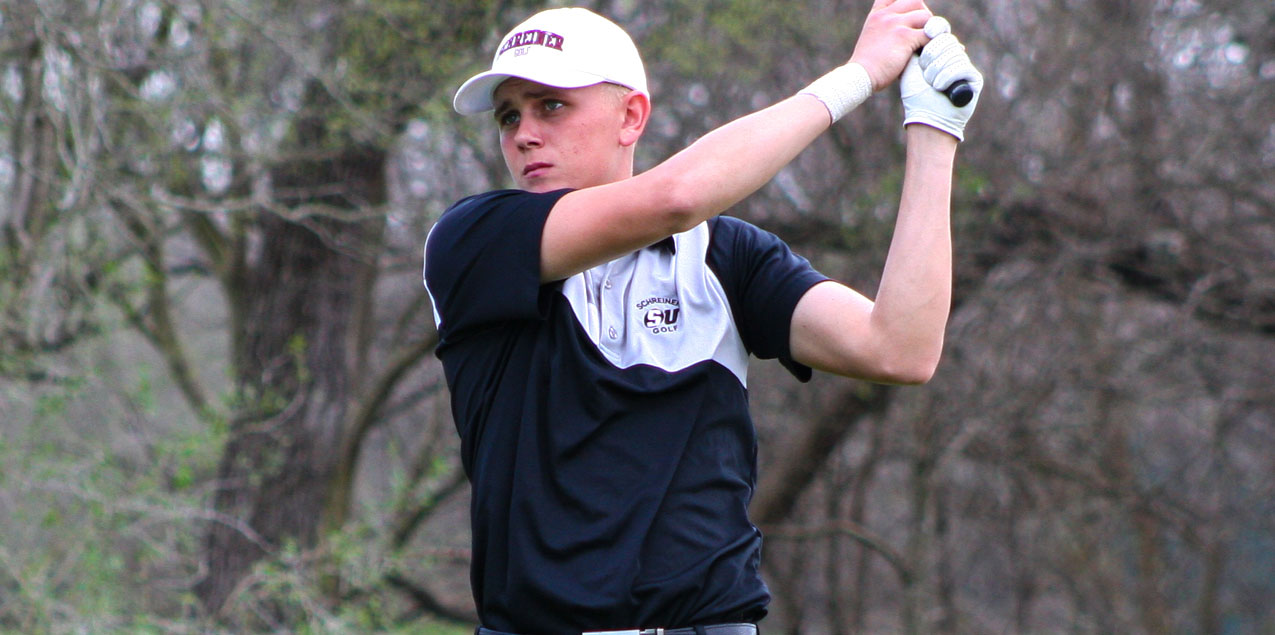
{"type": "Point", "coordinates": [959, 93]}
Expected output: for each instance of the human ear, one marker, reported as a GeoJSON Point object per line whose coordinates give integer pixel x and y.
{"type": "Point", "coordinates": [637, 111]}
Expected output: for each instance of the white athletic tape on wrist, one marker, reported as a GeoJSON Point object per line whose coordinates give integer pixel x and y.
{"type": "Point", "coordinates": [842, 89]}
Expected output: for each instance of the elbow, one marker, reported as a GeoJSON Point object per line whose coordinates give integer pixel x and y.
{"type": "Point", "coordinates": [911, 356]}
{"type": "Point", "coordinates": [911, 369]}
{"type": "Point", "coordinates": [915, 374]}
{"type": "Point", "coordinates": [893, 368]}
{"type": "Point", "coordinates": [681, 208]}
{"type": "Point", "coordinates": [683, 202]}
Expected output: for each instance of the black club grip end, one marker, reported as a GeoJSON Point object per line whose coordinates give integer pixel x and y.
{"type": "Point", "coordinates": [960, 93]}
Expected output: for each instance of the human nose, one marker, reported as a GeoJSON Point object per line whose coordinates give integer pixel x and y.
{"type": "Point", "coordinates": [528, 134]}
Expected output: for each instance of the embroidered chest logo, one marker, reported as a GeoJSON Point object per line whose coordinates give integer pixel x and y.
{"type": "Point", "coordinates": [660, 315]}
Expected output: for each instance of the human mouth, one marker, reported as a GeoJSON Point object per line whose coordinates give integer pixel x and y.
{"type": "Point", "coordinates": [532, 169]}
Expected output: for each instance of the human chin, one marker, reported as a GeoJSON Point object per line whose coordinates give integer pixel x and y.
{"type": "Point", "coordinates": [546, 181]}
{"type": "Point", "coordinates": [537, 184]}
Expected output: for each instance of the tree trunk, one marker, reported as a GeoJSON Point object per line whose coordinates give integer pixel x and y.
{"type": "Point", "coordinates": [917, 551]}
{"type": "Point", "coordinates": [796, 468]}
{"type": "Point", "coordinates": [297, 295]}
{"type": "Point", "coordinates": [866, 473]}
{"type": "Point", "coordinates": [949, 616]}
{"type": "Point", "coordinates": [1118, 465]}
{"type": "Point", "coordinates": [1210, 620]}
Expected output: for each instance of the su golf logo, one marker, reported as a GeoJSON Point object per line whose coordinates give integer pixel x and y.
{"type": "Point", "coordinates": [660, 319]}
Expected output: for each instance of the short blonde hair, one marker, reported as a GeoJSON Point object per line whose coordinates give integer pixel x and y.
{"type": "Point", "coordinates": [618, 91]}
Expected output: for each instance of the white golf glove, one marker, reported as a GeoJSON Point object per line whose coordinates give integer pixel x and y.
{"type": "Point", "coordinates": [941, 63]}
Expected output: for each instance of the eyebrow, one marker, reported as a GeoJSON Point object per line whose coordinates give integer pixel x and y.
{"type": "Point", "coordinates": [529, 93]}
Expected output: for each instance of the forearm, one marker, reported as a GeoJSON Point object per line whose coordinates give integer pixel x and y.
{"type": "Point", "coordinates": [729, 163]}
{"type": "Point", "coordinates": [898, 337]}
{"type": "Point", "coordinates": [593, 225]}
{"type": "Point", "coordinates": [915, 295]}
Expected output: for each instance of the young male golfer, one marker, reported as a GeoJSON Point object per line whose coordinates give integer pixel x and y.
{"type": "Point", "coordinates": [595, 325]}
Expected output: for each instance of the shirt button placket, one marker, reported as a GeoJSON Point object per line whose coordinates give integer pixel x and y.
{"type": "Point", "coordinates": [606, 284]}
{"type": "Point", "coordinates": [612, 309]}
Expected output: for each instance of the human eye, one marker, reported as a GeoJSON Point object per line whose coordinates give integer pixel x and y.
{"type": "Point", "coordinates": [554, 104]}
{"type": "Point", "coordinates": [506, 118]}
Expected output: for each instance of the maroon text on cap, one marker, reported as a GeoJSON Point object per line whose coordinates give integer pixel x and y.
{"type": "Point", "coordinates": [529, 38]}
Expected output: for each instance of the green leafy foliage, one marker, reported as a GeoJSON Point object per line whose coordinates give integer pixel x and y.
{"type": "Point", "coordinates": [1072, 199]}
{"type": "Point", "coordinates": [96, 534]}
{"type": "Point", "coordinates": [744, 39]}
{"type": "Point", "coordinates": [395, 58]}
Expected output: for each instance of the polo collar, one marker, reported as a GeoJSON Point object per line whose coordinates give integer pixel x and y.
{"type": "Point", "coordinates": [668, 245]}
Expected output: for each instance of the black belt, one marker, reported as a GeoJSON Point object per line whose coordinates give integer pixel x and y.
{"type": "Point", "coordinates": [715, 629]}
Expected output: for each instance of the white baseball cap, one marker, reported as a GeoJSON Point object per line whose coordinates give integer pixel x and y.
{"type": "Point", "coordinates": [564, 48]}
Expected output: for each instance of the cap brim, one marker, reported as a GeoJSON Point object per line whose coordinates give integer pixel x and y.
{"type": "Point", "coordinates": [475, 95]}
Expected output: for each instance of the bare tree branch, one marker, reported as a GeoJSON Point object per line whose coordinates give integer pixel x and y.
{"type": "Point", "coordinates": [782, 485]}
{"type": "Point", "coordinates": [427, 603]}
{"type": "Point", "coordinates": [850, 529]}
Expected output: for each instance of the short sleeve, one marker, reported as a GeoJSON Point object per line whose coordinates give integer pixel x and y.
{"type": "Point", "coordinates": [482, 259]}
{"type": "Point", "coordinates": [764, 280]}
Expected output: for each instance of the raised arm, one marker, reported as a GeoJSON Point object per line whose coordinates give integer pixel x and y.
{"type": "Point", "coordinates": [899, 337]}
{"type": "Point", "coordinates": [595, 224]}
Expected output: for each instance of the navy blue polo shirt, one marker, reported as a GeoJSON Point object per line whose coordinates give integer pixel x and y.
{"type": "Point", "coordinates": [604, 419]}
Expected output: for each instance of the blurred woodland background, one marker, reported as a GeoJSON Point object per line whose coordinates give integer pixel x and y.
{"type": "Point", "coordinates": [220, 410]}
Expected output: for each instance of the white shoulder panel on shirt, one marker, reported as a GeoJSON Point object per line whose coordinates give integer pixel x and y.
{"type": "Point", "coordinates": [660, 307]}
